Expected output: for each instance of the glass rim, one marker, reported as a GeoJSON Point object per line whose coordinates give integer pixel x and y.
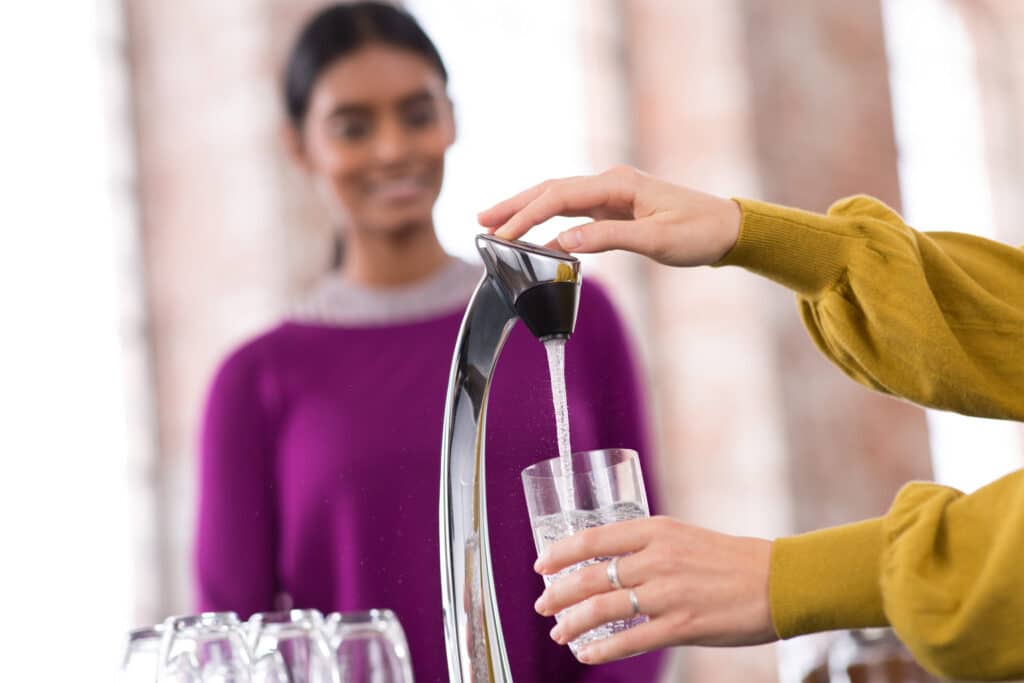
{"type": "Point", "coordinates": [222, 619]}
{"type": "Point", "coordinates": [538, 471]}
{"type": "Point", "coordinates": [370, 616]}
{"type": "Point", "coordinates": [288, 617]}
{"type": "Point", "coordinates": [144, 632]}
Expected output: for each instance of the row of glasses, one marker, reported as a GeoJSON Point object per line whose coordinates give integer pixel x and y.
{"type": "Point", "coordinates": [296, 646]}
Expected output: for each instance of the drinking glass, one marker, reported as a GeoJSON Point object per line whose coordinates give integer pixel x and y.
{"type": "Point", "coordinates": [141, 655]}
{"type": "Point", "coordinates": [204, 648]}
{"type": "Point", "coordinates": [369, 647]}
{"type": "Point", "coordinates": [602, 487]}
{"type": "Point", "coordinates": [290, 647]}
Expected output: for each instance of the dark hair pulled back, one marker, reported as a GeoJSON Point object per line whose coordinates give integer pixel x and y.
{"type": "Point", "coordinates": [343, 28]}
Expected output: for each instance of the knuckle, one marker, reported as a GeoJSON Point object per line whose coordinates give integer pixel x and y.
{"type": "Point", "coordinates": [631, 177]}
{"type": "Point", "coordinates": [597, 579]}
{"type": "Point", "coordinates": [575, 583]}
{"type": "Point", "coordinates": [586, 543]}
{"type": "Point", "coordinates": [622, 172]}
{"type": "Point", "coordinates": [595, 608]}
{"type": "Point", "coordinates": [662, 523]}
{"type": "Point", "coordinates": [549, 200]}
{"type": "Point", "coordinates": [664, 565]}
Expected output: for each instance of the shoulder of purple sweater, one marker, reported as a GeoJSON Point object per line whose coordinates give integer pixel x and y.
{"type": "Point", "coordinates": [249, 365]}
{"type": "Point", "coordinates": [254, 351]}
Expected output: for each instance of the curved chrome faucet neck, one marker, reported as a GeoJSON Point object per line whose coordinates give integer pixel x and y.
{"type": "Point", "coordinates": [542, 287]}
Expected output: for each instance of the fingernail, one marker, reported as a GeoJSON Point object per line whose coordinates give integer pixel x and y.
{"type": "Point", "coordinates": [538, 566]}
{"type": "Point", "coordinates": [556, 634]}
{"type": "Point", "coordinates": [584, 655]}
{"type": "Point", "coordinates": [570, 239]}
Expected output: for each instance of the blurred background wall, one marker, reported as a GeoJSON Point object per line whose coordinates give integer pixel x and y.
{"type": "Point", "coordinates": [161, 223]}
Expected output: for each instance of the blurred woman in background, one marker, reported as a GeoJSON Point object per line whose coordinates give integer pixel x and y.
{"type": "Point", "coordinates": [321, 437]}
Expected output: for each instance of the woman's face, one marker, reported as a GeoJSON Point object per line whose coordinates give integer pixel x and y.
{"type": "Point", "coordinates": [374, 138]}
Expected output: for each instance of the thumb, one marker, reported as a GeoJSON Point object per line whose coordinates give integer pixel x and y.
{"type": "Point", "coordinates": [628, 235]}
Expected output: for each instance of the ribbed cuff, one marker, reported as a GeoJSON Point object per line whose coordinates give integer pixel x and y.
{"type": "Point", "coordinates": [800, 250]}
{"type": "Point", "coordinates": [827, 579]}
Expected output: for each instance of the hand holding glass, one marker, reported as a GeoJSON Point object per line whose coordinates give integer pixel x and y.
{"type": "Point", "coordinates": [606, 486]}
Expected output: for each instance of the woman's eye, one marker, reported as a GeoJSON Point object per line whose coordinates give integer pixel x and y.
{"type": "Point", "coordinates": [420, 116]}
{"type": "Point", "coordinates": [350, 130]}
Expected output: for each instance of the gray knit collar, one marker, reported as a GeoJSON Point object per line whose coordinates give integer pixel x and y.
{"type": "Point", "coordinates": [336, 301]}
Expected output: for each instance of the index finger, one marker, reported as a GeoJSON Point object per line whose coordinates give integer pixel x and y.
{"type": "Point", "coordinates": [497, 215]}
{"type": "Point", "coordinates": [607, 540]}
{"type": "Point", "coordinates": [567, 197]}
{"type": "Point", "coordinates": [577, 196]}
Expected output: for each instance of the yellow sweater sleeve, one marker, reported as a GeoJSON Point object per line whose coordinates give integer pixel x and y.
{"type": "Point", "coordinates": [943, 569]}
{"type": "Point", "coordinates": [937, 318]}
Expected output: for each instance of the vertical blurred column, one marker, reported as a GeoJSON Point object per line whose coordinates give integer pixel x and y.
{"type": "Point", "coordinates": [823, 126]}
{"type": "Point", "coordinates": [68, 490]}
{"type": "Point", "coordinates": [936, 100]}
{"type": "Point", "coordinates": [996, 30]}
{"type": "Point", "coordinates": [223, 233]}
{"type": "Point", "coordinates": [823, 121]}
{"type": "Point", "coordinates": [143, 479]}
{"type": "Point", "coordinates": [610, 140]}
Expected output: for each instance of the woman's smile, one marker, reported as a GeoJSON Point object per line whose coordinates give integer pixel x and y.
{"type": "Point", "coordinates": [399, 189]}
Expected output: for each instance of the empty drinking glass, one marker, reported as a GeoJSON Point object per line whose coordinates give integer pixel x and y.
{"type": "Point", "coordinates": [204, 648]}
{"type": "Point", "coordinates": [603, 486]}
{"type": "Point", "coordinates": [290, 647]}
{"type": "Point", "coordinates": [369, 647]}
{"type": "Point", "coordinates": [141, 655]}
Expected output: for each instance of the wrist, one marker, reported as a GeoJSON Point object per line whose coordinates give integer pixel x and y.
{"type": "Point", "coordinates": [765, 630]}
{"type": "Point", "coordinates": [728, 219]}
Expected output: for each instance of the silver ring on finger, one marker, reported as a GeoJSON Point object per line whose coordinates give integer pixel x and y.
{"type": "Point", "coordinates": [634, 602]}
{"type": "Point", "coordinates": [613, 573]}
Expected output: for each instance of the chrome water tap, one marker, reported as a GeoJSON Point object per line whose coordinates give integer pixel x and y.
{"type": "Point", "coordinates": [541, 287]}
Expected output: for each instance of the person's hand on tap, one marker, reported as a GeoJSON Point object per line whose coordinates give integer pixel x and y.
{"type": "Point", "coordinates": [630, 210]}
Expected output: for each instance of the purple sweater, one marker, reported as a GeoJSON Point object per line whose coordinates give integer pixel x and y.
{"type": "Point", "coordinates": [321, 469]}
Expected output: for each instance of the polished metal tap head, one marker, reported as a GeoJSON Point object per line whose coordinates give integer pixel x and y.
{"type": "Point", "coordinates": [541, 285]}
